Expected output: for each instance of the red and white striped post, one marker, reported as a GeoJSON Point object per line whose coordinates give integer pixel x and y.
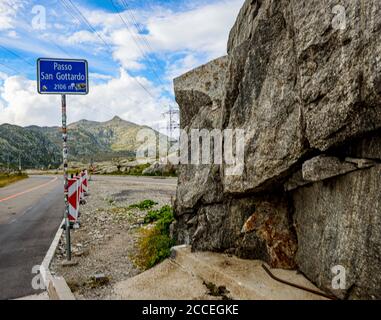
{"type": "Point", "coordinates": [73, 201]}
{"type": "Point", "coordinates": [78, 188]}
{"type": "Point", "coordinates": [85, 183]}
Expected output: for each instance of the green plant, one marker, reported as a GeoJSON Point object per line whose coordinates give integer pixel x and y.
{"type": "Point", "coordinates": [144, 205]}
{"type": "Point", "coordinates": [131, 171]}
{"type": "Point", "coordinates": [155, 243]}
{"type": "Point", "coordinates": [138, 170]}
{"type": "Point", "coordinates": [155, 215]}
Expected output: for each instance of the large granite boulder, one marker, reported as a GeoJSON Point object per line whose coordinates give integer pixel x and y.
{"type": "Point", "coordinates": [199, 93]}
{"type": "Point", "coordinates": [303, 80]}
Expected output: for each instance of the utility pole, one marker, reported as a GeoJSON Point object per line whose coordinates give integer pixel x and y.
{"type": "Point", "coordinates": [20, 162]}
{"type": "Point", "coordinates": [173, 122]}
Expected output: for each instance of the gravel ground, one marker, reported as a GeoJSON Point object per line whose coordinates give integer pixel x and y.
{"type": "Point", "coordinates": [106, 242]}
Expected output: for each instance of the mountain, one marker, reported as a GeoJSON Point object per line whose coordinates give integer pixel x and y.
{"type": "Point", "coordinates": [87, 140]}
{"type": "Point", "coordinates": [33, 147]}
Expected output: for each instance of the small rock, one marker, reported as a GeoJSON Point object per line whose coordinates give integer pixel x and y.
{"type": "Point", "coordinates": [98, 280]}
{"type": "Point", "coordinates": [71, 263]}
{"type": "Point", "coordinates": [82, 253]}
{"type": "Point", "coordinates": [323, 167]}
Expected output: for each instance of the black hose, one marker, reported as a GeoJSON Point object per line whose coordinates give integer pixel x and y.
{"type": "Point", "coordinates": [298, 286]}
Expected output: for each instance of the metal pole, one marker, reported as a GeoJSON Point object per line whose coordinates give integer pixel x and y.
{"type": "Point", "coordinates": [66, 182]}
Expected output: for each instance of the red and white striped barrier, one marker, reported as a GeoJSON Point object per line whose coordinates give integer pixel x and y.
{"type": "Point", "coordinates": [79, 187]}
{"type": "Point", "coordinates": [73, 200]}
{"type": "Point", "coordinates": [87, 181]}
{"type": "Point", "coordinates": [85, 185]}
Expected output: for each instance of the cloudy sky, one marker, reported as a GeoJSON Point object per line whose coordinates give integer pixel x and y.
{"type": "Point", "coordinates": [134, 48]}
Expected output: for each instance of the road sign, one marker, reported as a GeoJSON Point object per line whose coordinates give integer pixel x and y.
{"type": "Point", "coordinates": [62, 76]}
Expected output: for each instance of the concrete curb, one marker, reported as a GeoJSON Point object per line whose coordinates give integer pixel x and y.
{"type": "Point", "coordinates": [57, 287]}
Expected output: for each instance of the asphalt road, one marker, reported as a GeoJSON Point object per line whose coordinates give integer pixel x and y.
{"type": "Point", "coordinates": [30, 214]}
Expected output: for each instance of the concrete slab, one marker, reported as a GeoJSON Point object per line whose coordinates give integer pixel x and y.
{"type": "Point", "coordinates": [183, 277]}
{"type": "Point", "coordinates": [35, 297]}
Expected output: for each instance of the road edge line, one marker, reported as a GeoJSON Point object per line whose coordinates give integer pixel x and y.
{"type": "Point", "coordinates": [56, 287]}
{"type": "Point", "coordinates": [14, 196]}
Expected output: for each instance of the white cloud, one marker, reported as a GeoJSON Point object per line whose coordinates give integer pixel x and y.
{"type": "Point", "coordinates": [8, 13]}
{"type": "Point", "coordinates": [82, 36]}
{"type": "Point", "coordinates": [200, 31]}
{"type": "Point", "coordinates": [24, 106]}
{"type": "Point", "coordinates": [181, 66]}
{"type": "Point", "coordinates": [181, 40]}
{"type": "Point", "coordinates": [12, 34]}
{"type": "Point", "coordinates": [6, 17]}
{"type": "Point", "coordinates": [98, 76]}
{"type": "Point", "coordinates": [3, 76]}
{"type": "Point", "coordinates": [121, 96]}
{"type": "Point", "coordinates": [127, 52]}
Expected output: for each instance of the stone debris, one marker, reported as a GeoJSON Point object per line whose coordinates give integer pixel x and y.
{"type": "Point", "coordinates": [105, 242]}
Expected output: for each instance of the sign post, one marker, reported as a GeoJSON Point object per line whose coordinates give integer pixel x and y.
{"type": "Point", "coordinates": [66, 178]}
{"type": "Point", "coordinates": [63, 77]}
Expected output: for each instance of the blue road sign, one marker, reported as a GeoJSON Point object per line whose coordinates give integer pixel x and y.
{"type": "Point", "coordinates": [62, 76]}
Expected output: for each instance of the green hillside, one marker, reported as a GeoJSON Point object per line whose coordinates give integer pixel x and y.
{"type": "Point", "coordinates": [88, 140]}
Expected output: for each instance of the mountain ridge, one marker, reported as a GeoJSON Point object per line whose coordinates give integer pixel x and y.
{"type": "Point", "coordinates": [41, 146]}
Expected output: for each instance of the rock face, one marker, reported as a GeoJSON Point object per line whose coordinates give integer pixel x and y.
{"type": "Point", "coordinates": [303, 80]}
{"type": "Point", "coordinates": [339, 221]}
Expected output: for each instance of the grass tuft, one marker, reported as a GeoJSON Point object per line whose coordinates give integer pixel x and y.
{"type": "Point", "coordinates": [144, 205]}
{"type": "Point", "coordinates": [155, 243]}
{"type": "Point", "coordinates": [163, 214]}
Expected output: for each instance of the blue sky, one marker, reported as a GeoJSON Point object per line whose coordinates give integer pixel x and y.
{"type": "Point", "coordinates": [128, 44]}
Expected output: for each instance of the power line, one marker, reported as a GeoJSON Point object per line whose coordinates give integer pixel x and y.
{"type": "Point", "coordinates": [139, 30]}
{"type": "Point", "coordinates": [16, 55]}
{"type": "Point", "coordinates": [12, 52]}
{"type": "Point", "coordinates": [84, 19]}
{"type": "Point", "coordinates": [144, 40]}
{"type": "Point", "coordinates": [136, 42]}
{"type": "Point", "coordinates": [69, 10]}
{"type": "Point", "coordinates": [50, 40]}
{"type": "Point", "coordinates": [136, 24]}
{"type": "Point", "coordinates": [10, 68]}
{"type": "Point", "coordinates": [62, 49]}
{"type": "Point", "coordinates": [108, 46]}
